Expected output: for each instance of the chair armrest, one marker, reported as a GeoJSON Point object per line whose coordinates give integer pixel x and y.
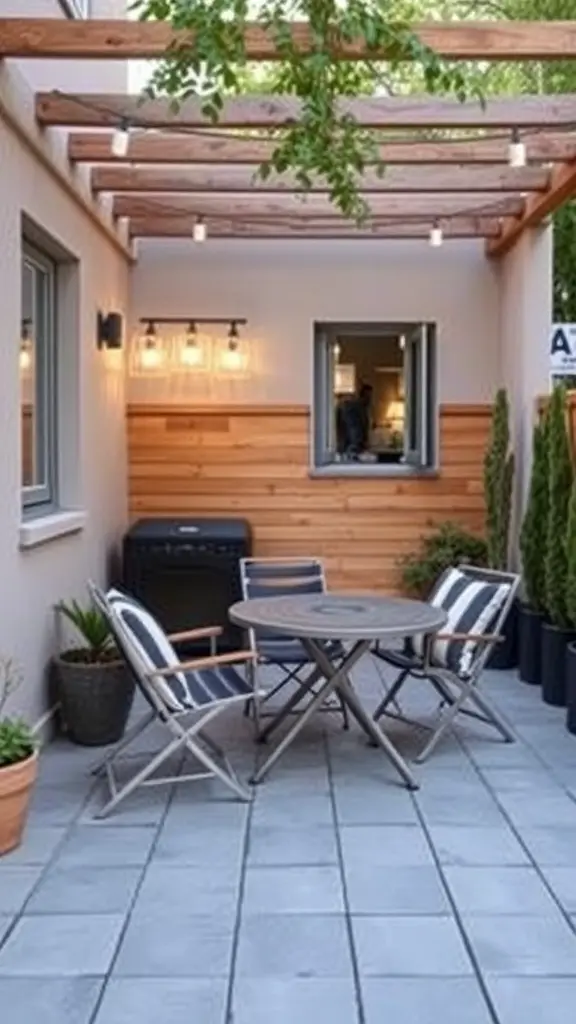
{"type": "Point", "coordinates": [477, 638]}
{"type": "Point", "coordinates": [197, 663]}
{"type": "Point", "coordinates": [196, 634]}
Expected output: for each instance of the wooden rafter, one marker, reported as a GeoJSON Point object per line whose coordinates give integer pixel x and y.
{"type": "Point", "coordinates": [394, 180]}
{"type": "Point", "coordinates": [384, 112]}
{"type": "Point", "coordinates": [181, 227]}
{"type": "Point", "coordinates": [537, 208]}
{"type": "Point", "coordinates": [170, 148]}
{"type": "Point", "coordinates": [121, 40]}
{"type": "Point", "coordinates": [316, 206]}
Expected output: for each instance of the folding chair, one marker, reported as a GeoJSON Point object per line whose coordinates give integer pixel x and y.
{"type": "Point", "coordinates": [477, 603]}
{"type": "Point", "coordinates": [183, 696]}
{"type": "Point", "coordinates": [283, 577]}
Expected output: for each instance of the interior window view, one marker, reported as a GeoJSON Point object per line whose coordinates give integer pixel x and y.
{"type": "Point", "coordinates": [374, 394]}
{"type": "Point", "coordinates": [36, 361]}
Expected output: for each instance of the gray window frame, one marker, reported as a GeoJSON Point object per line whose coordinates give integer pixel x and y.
{"type": "Point", "coordinates": [42, 497]}
{"type": "Point", "coordinates": [421, 456]}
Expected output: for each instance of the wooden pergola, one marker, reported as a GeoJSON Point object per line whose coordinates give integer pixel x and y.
{"type": "Point", "coordinates": [448, 161]}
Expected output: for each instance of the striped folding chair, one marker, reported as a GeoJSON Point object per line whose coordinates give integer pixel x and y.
{"type": "Point", "coordinates": [283, 577]}
{"type": "Point", "coordinates": [182, 696]}
{"type": "Point", "coordinates": [477, 602]}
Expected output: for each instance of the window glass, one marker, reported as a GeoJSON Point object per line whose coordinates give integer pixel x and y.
{"type": "Point", "coordinates": [37, 357]}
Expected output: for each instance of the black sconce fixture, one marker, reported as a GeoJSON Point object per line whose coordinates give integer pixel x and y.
{"type": "Point", "coordinates": [109, 330]}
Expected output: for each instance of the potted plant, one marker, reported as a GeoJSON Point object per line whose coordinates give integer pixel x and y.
{"type": "Point", "coordinates": [498, 482]}
{"type": "Point", "coordinates": [571, 610]}
{"type": "Point", "coordinates": [532, 546]}
{"type": "Point", "coordinates": [557, 630]}
{"type": "Point", "coordinates": [18, 765]}
{"type": "Point", "coordinates": [95, 689]}
{"type": "Point", "coordinates": [448, 545]}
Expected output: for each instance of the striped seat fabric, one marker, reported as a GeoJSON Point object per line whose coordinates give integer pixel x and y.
{"type": "Point", "coordinates": [147, 647]}
{"type": "Point", "coordinates": [472, 606]}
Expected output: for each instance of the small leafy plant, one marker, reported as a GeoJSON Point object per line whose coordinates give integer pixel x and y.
{"type": "Point", "coordinates": [448, 545]}
{"type": "Point", "coordinates": [16, 739]}
{"type": "Point", "coordinates": [97, 645]}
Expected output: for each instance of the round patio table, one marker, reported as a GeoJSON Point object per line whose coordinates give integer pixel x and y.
{"type": "Point", "coordinates": [356, 620]}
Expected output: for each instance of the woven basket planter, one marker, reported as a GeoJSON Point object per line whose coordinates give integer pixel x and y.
{"type": "Point", "coordinates": [95, 700]}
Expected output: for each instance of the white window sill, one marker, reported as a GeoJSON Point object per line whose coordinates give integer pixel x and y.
{"type": "Point", "coordinates": [46, 528]}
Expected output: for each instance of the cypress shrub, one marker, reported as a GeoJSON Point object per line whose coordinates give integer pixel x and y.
{"type": "Point", "coordinates": [498, 480]}
{"type": "Point", "coordinates": [559, 486]}
{"type": "Point", "coordinates": [534, 524]}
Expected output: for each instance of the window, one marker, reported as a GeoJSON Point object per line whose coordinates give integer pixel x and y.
{"type": "Point", "coordinates": [38, 379]}
{"type": "Point", "coordinates": [374, 401]}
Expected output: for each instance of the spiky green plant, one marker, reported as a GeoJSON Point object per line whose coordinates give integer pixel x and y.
{"type": "Point", "coordinates": [533, 531]}
{"type": "Point", "coordinates": [559, 487]}
{"type": "Point", "coordinates": [498, 481]}
{"type": "Point", "coordinates": [92, 629]}
{"type": "Point", "coordinates": [571, 558]}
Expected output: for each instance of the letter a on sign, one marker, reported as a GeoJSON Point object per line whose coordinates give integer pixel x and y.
{"type": "Point", "coordinates": [563, 349]}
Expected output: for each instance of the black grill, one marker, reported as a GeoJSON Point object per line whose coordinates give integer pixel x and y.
{"type": "Point", "coordinates": [186, 572]}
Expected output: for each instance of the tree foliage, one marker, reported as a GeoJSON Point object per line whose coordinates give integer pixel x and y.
{"type": "Point", "coordinates": [534, 525]}
{"type": "Point", "coordinates": [498, 480]}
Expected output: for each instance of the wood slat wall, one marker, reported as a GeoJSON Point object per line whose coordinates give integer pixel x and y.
{"type": "Point", "coordinates": [253, 462]}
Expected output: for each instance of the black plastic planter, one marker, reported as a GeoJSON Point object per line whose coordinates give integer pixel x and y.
{"type": "Point", "coordinates": [571, 688]}
{"type": "Point", "coordinates": [554, 644]}
{"type": "Point", "coordinates": [529, 645]}
{"type": "Point", "coordinates": [505, 655]}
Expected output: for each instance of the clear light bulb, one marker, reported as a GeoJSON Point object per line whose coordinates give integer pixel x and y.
{"type": "Point", "coordinates": [25, 357]}
{"type": "Point", "coordinates": [199, 231]}
{"type": "Point", "coordinates": [516, 151]}
{"type": "Point", "coordinates": [436, 236]}
{"type": "Point", "coordinates": [150, 356]}
{"type": "Point", "coordinates": [231, 357]}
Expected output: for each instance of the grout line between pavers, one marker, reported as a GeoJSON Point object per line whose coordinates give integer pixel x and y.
{"type": "Point", "coordinates": [347, 911]}
{"type": "Point", "coordinates": [229, 1004]}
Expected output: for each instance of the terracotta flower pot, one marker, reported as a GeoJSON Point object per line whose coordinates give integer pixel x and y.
{"type": "Point", "coordinates": [16, 781]}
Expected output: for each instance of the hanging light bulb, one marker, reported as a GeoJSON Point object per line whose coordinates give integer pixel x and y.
{"type": "Point", "coordinates": [199, 231]}
{"type": "Point", "coordinates": [232, 357]}
{"type": "Point", "coordinates": [436, 235]}
{"type": "Point", "coordinates": [191, 353]}
{"type": "Point", "coordinates": [121, 139]}
{"type": "Point", "coordinates": [151, 356]}
{"type": "Point", "coordinates": [402, 342]}
{"type": "Point", "coordinates": [516, 150]}
{"type": "Point", "coordinates": [25, 357]}
{"type": "Point", "coordinates": [337, 350]}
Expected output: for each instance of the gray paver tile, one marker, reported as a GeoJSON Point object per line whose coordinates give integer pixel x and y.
{"type": "Point", "coordinates": [308, 809]}
{"type": "Point", "coordinates": [294, 946]}
{"type": "Point", "coordinates": [175, 943]}
{"type": "Point", "coordinates": [85, 890]}
{"type": "Point", "coordinates": [120, 846]}
{"type": "Point", "coordinates": [219, 846]}
{"type": "Point", "coordinates": [165, 1000]}
{"type": "Point", "coordinates": [50, 1000]}
{"type": "Point", "coordinates": [499, 890]}
{"type": "Point", "coordinates": [533, 1000]}
{"type": "Point", "coordinates": [291, 1000]}
{"type": "Point", "coordinates": [38, 845]}
{"type": "Point", "coordinates": [385, 846]}
{"type": "Point", "coordinates": [562, 881]}
{"type": "Point", "coordinates": [60, 945]}
{"type": "Point", "coordinates": [311, 845]}
{"type": "Point", "coordinates": [16, 884]}
{"type": "Point", "coordinates": [415, 946]}
{"type": "Point", "coordinates": [469, 845]}
{"type": "Point", "coordinates": [552, 846]}
{"type": "Point", "coordinates": [522, 945]}
{"type": "Point", "coordinates": [395, 890]}
{"type": "Point", "coordinates": [298, 890]}
{"type": "Point", "coordinates": [424, 1001]}
{"type": "Point", "coordinates": [205, 890]}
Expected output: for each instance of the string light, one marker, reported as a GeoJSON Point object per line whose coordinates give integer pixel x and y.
{"type": "Point", "coordinates": [25, 357]}
{"type": "Point", "coordinates": [199, 231]}
{"type": "Point", "coordinates": [516, 150]}
{"type": "Point", "coordinates": [337, 351]}
{"type": "Point", "coordinates": [436, 235]}
{"type": "Point", "coordinates": [232, 357]}
{"type": "Point", "coordinates": [151, 356]}
{"type": "Point", "coordinates": [121, 139]}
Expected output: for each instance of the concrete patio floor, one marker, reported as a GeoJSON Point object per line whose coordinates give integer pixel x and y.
{"type": "Point", "coordinates": [336, 896]}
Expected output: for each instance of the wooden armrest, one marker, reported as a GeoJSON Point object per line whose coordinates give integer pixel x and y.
{"type": "Point", "coordinates": [196, 663]}
{"type": "Point", "coordinates": [196, 634]}
{"type": "Point", "coordinates": [477, 638]}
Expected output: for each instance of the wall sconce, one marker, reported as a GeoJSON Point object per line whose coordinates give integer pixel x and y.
{"type": "Point", "coordinates": [109, 330]}
{"type": "Point", "coordinates": [26, 346]}
{"type": "Point", "coordinates": [150, 353]}
{"type": "Point", "coordinates": [191, 353]}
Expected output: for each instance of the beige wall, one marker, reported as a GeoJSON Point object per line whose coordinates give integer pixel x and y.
{"type": "Point", "coordinates": [525, 281]}
{"type": "Point", "coordinates": [91, 414]}
{"type": "Point", "coordinates": [70, 75]}
{"type": "Point", "coordinates": [283, 287]}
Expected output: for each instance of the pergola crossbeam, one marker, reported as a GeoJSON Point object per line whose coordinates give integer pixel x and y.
{"type": "Point", "coordinates": [412, 112]}
{"type": "Point", "coordinates": [537, 208]}
{"type": "Point", "coordinates": [134, 40]}
{"type": "Point", "coordinates": [152, 226]}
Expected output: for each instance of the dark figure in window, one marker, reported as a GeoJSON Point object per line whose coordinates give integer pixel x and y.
{"type": "Point", "coordinates": [353, 422]}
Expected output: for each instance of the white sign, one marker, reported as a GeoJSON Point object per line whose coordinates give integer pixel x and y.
{"type": "Point", "coordinates": [562, 350]}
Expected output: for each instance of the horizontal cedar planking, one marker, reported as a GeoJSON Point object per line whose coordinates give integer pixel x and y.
{"type": "Point", "coordinates": [253, 462]}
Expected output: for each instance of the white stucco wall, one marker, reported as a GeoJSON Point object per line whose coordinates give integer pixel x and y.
{"type": "Point", "coordinates": [525, 282]}
{"type": "Point", "coordinates": [283, 287]}
{"type": "Point", "coordinates": [91, 411]}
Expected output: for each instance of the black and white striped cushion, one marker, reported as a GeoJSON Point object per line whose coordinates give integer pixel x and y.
{"type": "Point", "coordinates": [472, 606]}
{"type": "Point", "coordinates": [148, 648]}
